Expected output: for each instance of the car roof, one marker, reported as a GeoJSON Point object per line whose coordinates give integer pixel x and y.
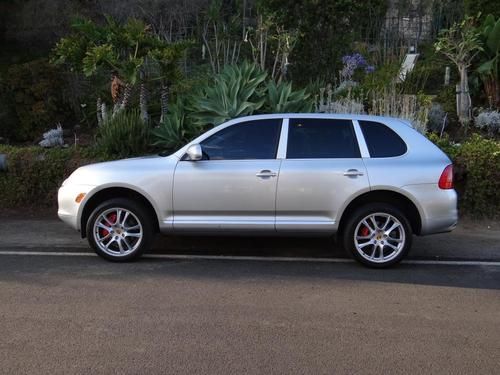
{"type": "Point", "coordinates": [335, 116]}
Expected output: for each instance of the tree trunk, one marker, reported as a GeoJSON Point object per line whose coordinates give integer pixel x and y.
{"type": "Point", "coordinates": [463, 98]}
{"type": "Point", "coordinates": [143, 103]}
{"type": "Point", "coordinates": [164, 101]}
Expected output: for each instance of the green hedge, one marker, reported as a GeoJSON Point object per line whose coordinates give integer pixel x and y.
{"type": "Point", "coordinates": [34, 174]}
{"type": "Point", "coordinates": [477, 174]}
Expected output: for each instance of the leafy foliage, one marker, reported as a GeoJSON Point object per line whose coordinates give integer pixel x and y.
{"type": "Point", "coordinates": [483, 7]}
{"type": "Point", "coordinates": [34, 92]}
{"type": "Point", "coordinates": [489, 121]}
{"type": "Point", "coordinates": [460, 43]}
{"type": "Point", "coordinates": [326, 30]}
{"type": "Point", "coordinates": [176, 129]}
{"type": "Point", "coordinates": [34, 174]}
{"type": "Point", "coordinates": [489, 68]}
{"type": "Point", "coordinates": [479, 158]}
{"type": "Point", "coordinates": [123, 135]}
{"type": "Point", "coordinates": [282, 99]}
{"type": "Point", "coordinates": [127, 50]}
{"type": "Point", "coordinates": [236, 91]}
{"type": "Point", "coordinates": [476, 174]}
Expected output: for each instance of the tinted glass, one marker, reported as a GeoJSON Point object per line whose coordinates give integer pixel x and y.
{"type": "Point", "coordinates": [382, 141]}
{"type": "Point", "coordinates": [321, 138]}
{"type": "Point", "coordinates": [247, 140]}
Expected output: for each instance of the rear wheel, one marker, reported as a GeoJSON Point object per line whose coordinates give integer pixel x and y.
{"type": "Point", "coordinates": [119, 230]}
{"type": "Point", "coordinates": [378, 235]}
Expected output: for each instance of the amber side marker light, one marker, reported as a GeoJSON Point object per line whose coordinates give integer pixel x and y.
{"type": "Point", "coordinates": [79, 197]}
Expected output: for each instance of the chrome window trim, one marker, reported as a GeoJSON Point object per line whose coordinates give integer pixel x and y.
{"type": "Point", "coordinates": [363, 148]}
{"type": "Point", "coordinates": [283, 142]}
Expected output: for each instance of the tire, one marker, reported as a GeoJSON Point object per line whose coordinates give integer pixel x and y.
{"type": "Point", "coordinates": [378, 235]}
{"type": "Point", "coordinates": [120, 230]}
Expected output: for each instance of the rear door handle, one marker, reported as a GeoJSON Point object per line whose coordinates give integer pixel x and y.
{"type": "Point", "coordinates": [353, 173]}
{"type": "Point", "coordinates": [266, 173]}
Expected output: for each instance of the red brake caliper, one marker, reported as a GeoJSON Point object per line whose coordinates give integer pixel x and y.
{"type": "Point", "coordinates": [364, 231]}
{"type": "Point", "coordinates": [112, 219]}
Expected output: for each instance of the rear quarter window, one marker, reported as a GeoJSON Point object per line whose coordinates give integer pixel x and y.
{"type": "Point", "coordinates": [382, 141]}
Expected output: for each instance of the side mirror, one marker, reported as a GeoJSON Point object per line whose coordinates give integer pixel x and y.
{"type": "Point", "coordinates": [194, 152]}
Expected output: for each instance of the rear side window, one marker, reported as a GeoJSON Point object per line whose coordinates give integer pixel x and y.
{"type": "Point", "coordinates": [321, 138]}
{"type": "Point", "coordinates": [381, 140]}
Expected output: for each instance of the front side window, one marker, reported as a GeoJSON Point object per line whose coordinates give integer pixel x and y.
{"type": "Point", "coordinates": [321, 138]}
{"type": "Point", "coordinates": [381, 140]}
{"type": "Point", "coordinates": [247, 140]}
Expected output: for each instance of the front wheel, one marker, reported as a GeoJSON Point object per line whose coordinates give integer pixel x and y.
{"type": "Point", "coordinates": [120, 230]}
{"type": "Point", "coordinates": [378, 235]}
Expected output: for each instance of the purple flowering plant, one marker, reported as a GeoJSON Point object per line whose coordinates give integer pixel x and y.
{"type": "Point", "coordinates": [352, 63]}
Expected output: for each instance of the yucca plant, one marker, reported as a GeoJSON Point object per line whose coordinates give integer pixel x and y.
{"type": "Point", "coordinates": [236, 91]}
{"type": "Point", "coordinates": [123, 135]}
{"type": "Point", "coordinates": [176, 129]}
{"type": "Point", "coordinates": [281, 99]}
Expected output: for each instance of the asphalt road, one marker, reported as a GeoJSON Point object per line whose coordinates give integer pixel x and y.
{"type": "Point", "coordinates": [82, 315]}
{"type": "Point", "coordinates": [470, 241]}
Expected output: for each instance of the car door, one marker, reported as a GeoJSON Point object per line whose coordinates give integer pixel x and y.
{"type": "Point", "coordinates": [234, 186]}
{"type": "Point", "coordinates": [323, 170]}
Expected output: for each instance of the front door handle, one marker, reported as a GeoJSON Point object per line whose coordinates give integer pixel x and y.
{"type": "Point", "coordinates": [266, 173]}
{"type": "Point", "coordinates": [353, 173]}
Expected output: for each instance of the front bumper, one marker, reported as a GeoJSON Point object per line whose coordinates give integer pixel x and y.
{"type": "Point", "coordinates": [69, 210]}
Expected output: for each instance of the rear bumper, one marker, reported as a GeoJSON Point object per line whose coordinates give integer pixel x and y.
{"type": "Point", "coordinates": [437, 207]}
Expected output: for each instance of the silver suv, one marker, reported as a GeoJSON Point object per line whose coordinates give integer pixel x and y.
{"type": "Point", "coordinates": [372, 181]}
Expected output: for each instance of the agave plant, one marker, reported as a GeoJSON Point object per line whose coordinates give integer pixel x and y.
{"type": "Point", "coordinates": [281, 99]}
{"type": "Point", "coordinates": [237, 91]}
{"type": "Point", "coordinates": [176, 128]}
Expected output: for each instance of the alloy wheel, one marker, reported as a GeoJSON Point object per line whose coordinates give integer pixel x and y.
{"type": "Point", "coordinates": [379, 237]}
{"type": "Point", "coordinates": [118, 232]}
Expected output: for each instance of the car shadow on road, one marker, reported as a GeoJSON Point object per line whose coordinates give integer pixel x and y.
{"type": "Point", "coordinates": [250, 246]}
{"type": "Point", "coordinates": [56, 269]}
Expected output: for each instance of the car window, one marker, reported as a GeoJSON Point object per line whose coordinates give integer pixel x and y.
{"type": "Point", "coordinates": [381, 140]}
{"type": "Point", "coordinates": [321, 138]}
{"type": "Point", "coordinates": [247, 140]}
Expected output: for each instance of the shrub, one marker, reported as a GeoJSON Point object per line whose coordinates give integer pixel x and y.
{"type": "Point", "coordinates": [34, 174]}
{"type": "Point", "coordinates": [36, 96]}
{"type": "Point", "coordinates": [489, 121]}
{"type": "Point", "coordinates": [446, 97]}
{"type": "Point", "coordinates": [176, 129]}
{"type": "Point", "coordinates": [479, 159]}
{"type": "Point", "coordinates": [436, 118]}
{"type": "Point", "coordinates": [477, 174]}
{"type": "Point", "coordinates": [123, 134]}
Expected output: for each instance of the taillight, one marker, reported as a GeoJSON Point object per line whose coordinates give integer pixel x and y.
{"type": "Point", "coordinates": [446, 179]}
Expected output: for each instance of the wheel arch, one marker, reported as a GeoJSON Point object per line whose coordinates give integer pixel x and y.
{"type": "Point", "coordinates": [396, 199]}
{"type": "Point", "coordinates": [115, 192]}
